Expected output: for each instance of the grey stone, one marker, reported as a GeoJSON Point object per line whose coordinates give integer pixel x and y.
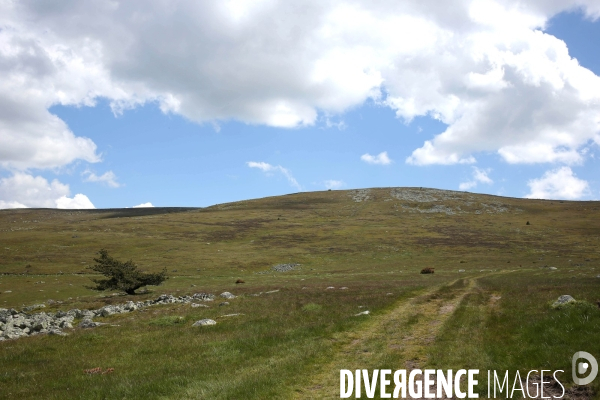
{"type": "Point", "coordinates": [56, 331]}
{"type": "Point", "coordinates": [204, 322]}
{"type": "Point", "coordinates": [284, 267]}
{"type": "Point", "coordinates": [362, 313]}
{"type": "Point", "coordinates": [227, 295]}
{"type": "Point", "coordinates": [34, 307]}
{"type": "Point", "coordinates": [4, 314]}
{"type": "Point", "coordinates": [194, 305]}
{"type": "Point", "coordinates": [86, 314]}
{"type": "Point", "coordinates": [203, 296]}
{"type": "Point", "coordinates": [564, 299]}
{"type": "Point", "coordinates": [108, 310]}
{"type": "Point", "coordinates": [88, 323]}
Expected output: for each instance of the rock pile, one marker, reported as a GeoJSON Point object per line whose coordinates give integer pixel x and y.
{"type": "Point", "coordinates": [15, 324]}
{"type": "Point", "coordinates": [284, 267]}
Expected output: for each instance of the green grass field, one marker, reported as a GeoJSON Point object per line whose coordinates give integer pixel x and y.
{"type": "Point", "coordinates": [487, 306]}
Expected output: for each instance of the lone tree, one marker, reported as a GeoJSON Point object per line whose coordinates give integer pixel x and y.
{"type": "Point", "coordinates": [123, 275]}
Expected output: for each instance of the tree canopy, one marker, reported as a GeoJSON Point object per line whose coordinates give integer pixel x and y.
{"type": "Point", "coordinates": [123, 275]}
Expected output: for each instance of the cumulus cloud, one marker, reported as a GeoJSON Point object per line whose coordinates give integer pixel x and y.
{"type": "Point", "coordinates": [148, 204]}
{"type": "Point", "coordinates": [479, 176]}
{"type": "Point", "coordinates": [381, 158]}
{"type": "Point", "coordinates": [485, 68]}
{"type": "Point", "coordinates": [24, 190]}
{"type": "Point", "coordinates": [333, 184]}
{"type": "Point", "coordinates": [560, 183]}
{"type": "Point", "coordinates": [270, 169]}
{"type": "Point", "coordinates": [108, 178]}
{"type": "Point", "coordinates": [79, 201]}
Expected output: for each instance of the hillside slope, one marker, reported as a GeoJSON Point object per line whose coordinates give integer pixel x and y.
{"type": "Point", "coordinates": [498, 264]}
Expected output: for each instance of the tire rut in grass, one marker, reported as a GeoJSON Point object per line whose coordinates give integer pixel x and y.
{"type": "Point", "coordinates": [395, 340]}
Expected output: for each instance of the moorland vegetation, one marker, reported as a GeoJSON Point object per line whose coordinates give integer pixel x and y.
{"type": "Point", "coordinates": [499, 263]}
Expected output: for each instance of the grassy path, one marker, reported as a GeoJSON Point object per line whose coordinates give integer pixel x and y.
{"type": "Point", "coordinates": [396, 340]}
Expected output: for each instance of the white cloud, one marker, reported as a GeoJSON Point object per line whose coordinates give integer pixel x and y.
{"type": "Point", "coordinates": [482, 176]}
{"type": "Point", "coordinates": [80, 201]}
{"type": "Point", "coordinates": [11, 204]}
{"type": "Point", "coordinates": [467, 185]}
{"type": "Point", "coordinates": [381, 158]}
{"type": "Point", "coordinates": [482, 67]}
{"type": "Point", "coordinates": [479, 176]}
{"type": "Point", "coordinates": [24, 190]}
{"type": "Point", "coordinates": [269, 169]}
{"type": "Point", "coordinates": [109, 178]}
{"type": "Point", "coordinates": [148, 204]}
{"type": "Point", "coordinates": [560, 183]}
{"type": "Point", "coordinates": [333, 184]}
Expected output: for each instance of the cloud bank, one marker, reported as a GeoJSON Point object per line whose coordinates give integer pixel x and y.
{"type": "Point", "coordinates": [560, 183]}
{"type": "Point", "coordinates": [26, 190]}
{"type": "Point", "coordinates": [484, 68]}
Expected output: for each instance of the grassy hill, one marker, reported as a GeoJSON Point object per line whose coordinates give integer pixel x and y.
{"type": "Point", "coordinates": [498, 263]}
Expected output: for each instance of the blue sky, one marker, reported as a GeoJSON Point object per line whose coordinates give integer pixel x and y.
{"type": "Point", "coordinates": [99, 119]}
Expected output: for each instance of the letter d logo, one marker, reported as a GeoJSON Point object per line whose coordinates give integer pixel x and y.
{"type": "Point", "coordinates": [582, 367]}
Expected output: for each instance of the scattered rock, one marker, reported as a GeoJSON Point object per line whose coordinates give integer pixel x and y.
{"type": "Point", "coordinates": [225, 303]}
{"type": "Point", "coordinates": [272, 291]}
{"type": "Point", "coordinates": [15, 324]}
{"type": "Point", "coordinates": [343, 288]}
{"type": "Point", "coordinates": [195, 305]}
{"type": "Point", "coordinates": [204, 322]}
{"type": "Point", "coordinates": [362, 313]}
{"type": "Point", "coordinates": [34, 307]}
{"type": "Point", "coordinates": [461, 270]}
{"type": "Point", "coordinates": [329, 287]}
{"type": "Point", "coordinates": [284, 267]}
{"type": "Point", "coordinates": [227, 295]}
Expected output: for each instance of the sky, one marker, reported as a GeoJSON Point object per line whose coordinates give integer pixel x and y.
{"type": "Point", "coordinates": [111, 104]}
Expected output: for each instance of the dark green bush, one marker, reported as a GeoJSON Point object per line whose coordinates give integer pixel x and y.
{"type": "Point", "coordinates": [123, 275]}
